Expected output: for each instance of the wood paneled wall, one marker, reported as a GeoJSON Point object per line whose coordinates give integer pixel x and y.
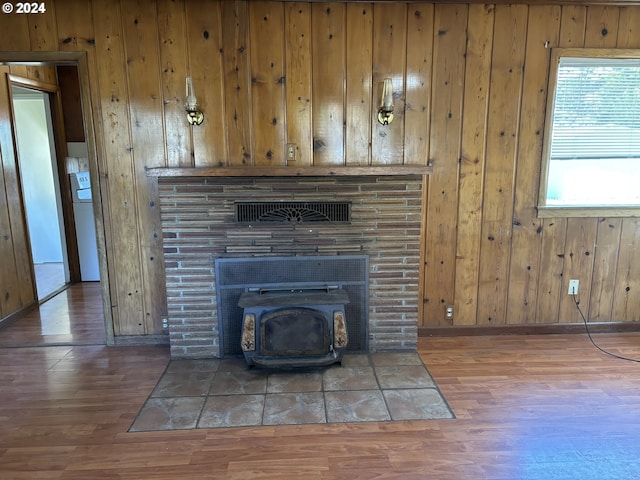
{"type": "Point", "coordinates": [470, 85]}
{"type": "Point", "coordinates": [17, 282]}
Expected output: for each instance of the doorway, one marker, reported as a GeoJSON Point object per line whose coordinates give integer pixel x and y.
{"type": "Point", "coordinates": [21, 279]}
{"type": "Point", "coordinates": [40, 184]}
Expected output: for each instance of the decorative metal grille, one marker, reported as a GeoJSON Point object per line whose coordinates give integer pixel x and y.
{"type": "Point", "coordinates": [293, 212]}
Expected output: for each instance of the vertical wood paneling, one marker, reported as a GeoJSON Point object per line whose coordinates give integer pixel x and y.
{"type": "Point", "coordinates": [463, 101]}
{"type": "Point", "coordinates": [626, 306]}
{"type": "Point", "coordinates": [543, 27]}
{"type": "Point", "coordinates": [328, 40]}
{"type": "Point", "coordinates": [17, 233]}
{"type": "Point", "coordinates": [551, 280]}
{"type": "Point", "coordinates": [15, 33]}
{"type": "Point", "coordinates": [578, 263]}
{"type": "Point", "coordinates": [476, 96]}
{"type": "Point", "coordinates": [604, 269]}
{"type": "Point", "coordinates": [204, 40]}
{"type": "Point", "coordinates": [298, 81]}
{"type": "Point", "coordinates": [128, 297]}
{"type": "Point", "coordinates": [502, 134]}
{"type": "Point", "coordinates": [42, 27]}
{"type": "Point", "coordinates": [9, 284]}
{"type": "Point", "coordinates": [602, 27]}
{"type": "Point", "coordinates": [418, 83]}
{"type": "Point", "coordinates": [42, 73]}
{"type": "Point", "coordinates": [389, 60]}
{"type": "Point", "coordinates": [19, 70]}
{"type": "Point", "coordinates": [359, 110]}
{"type": "Point", "coordinates": [139, 19]}
{"type": "Point", "coordinates": [629, 28]}
{"type": "Point", "coordinates": [572, 29]}
{"type": "Point", "coordinates": [12, 239]}
{"type": "Point", "coordinates": [268, 79]}
{"type": "Point", "coordinates": [450, 23]}
{"type": "Point", "coordinates": [75, 33]}
{"type": "Point", "coordinates": [173, 67]}
{"type": "Point", "coordinates": [237, 82]}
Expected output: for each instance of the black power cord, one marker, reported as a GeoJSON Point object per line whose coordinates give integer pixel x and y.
{"type": "Point", "coordinates": [586, 326]}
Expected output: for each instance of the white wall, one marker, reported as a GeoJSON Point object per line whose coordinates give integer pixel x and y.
{"type": "Point", "coordinates": [35, 160]}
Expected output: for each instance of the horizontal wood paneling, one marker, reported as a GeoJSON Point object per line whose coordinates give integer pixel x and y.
{"type": "Point", "coordinates": [470, 90]}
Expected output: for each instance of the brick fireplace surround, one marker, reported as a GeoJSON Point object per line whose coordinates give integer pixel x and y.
{"type": "Point", "coordinates": [198, 223]}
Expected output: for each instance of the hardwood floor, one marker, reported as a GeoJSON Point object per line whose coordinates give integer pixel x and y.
{"type": "Point", "coordinates": [527, 407]}
{"type": "Point", "coordinates": [72, 317]}
{"type": "Point", "coordinates": [49, 278]}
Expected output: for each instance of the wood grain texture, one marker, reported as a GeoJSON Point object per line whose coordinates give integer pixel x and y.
{"type": "Point", "coordinates": [20, 288]}
{"type": "Point", "coordinates": [111, 63]}
{"type": "Point", "coordinates": [146, 113]}
{"type": "Point", "coordinates": [173, 65]}
{"type": "Point", "coordinates": [505, 97]}
{"type": "Point", "coordinates": [289, 171]}
{"type": "Point", "coordinates": [604, 267]}
{"type": "Point", "coordinates": [446, 125]}
{"type": "Point", "coordinates": [472, 162]}
{"type": "Point", "coordinates": [418, 83]}
{"type": "Point", "coordinates": [205, 66]}
{"type": "Point", "coordinates": [42, 27]}
{"type": "Point", "coordinates": [629, 28]}
{"type": "Point", "coordinates": [389, 61]}
{"type": "Point", "coordinates": [627, 280]}
{"type": "Point", "coordinates": [10, 284]}
{"type": "Point", "coordinates": [237, 83]}
{"type": "Point", "coordinates": [542, 31]}
{"type": "Point", "coordinates": [330, 55]}
{"type": "Point", "coordinates": [268, 82]}
{"type": "Point", "coordinates": [298, 82]}
{"type": "Point", "coordinates": [328, 39]}
{"type": "Point", "coordinates": [529, 406]}
{"type": "Point", "coordinates": [360, 108]}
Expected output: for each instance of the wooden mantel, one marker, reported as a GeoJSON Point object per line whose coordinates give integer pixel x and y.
{"type": "Point", "coordinates": [386, 170]}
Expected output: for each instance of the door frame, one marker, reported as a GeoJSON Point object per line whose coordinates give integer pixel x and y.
{"type": "Point", "coordinates": [79, 59]}
{"type": "Point", "coordinates": [55, 102]}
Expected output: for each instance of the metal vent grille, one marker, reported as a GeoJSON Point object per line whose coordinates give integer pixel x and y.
{"type": "Point", "coordinates": [293, 212]}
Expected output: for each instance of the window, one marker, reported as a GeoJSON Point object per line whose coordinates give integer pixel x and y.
{"type": "Point", "coordinates": [591, 158]}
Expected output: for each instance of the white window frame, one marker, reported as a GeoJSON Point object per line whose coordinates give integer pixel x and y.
{"type": "Point", "coordinates": [595, 210]}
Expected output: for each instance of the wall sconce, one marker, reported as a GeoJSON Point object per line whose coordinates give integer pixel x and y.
{"type": "Point", "coordinates": [194, 114]}
{"type": "Point", "coordinates": [385, 112]}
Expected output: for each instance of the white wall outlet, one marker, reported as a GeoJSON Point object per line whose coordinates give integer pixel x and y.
{"type": "Point", "coordinates": [573, 287]}
{"type": "Point", "coordinates": [449, 312]}
{"type": "Point", "coordinates": [291, 152]}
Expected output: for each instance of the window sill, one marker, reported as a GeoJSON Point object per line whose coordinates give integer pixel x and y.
{"type": "Point", "coordinates": [589, 211]}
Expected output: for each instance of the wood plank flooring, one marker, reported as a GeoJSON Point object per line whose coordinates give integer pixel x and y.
{"type": "Point", "coordinates": [72, 317]}
{"type": "Point", "coordinates": [528, 407]}
{"type": "Point", "coordinates": [49, 278]}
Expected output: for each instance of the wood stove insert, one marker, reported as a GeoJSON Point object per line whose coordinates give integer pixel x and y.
{"type": "Point", "coordinates": [289, 326]}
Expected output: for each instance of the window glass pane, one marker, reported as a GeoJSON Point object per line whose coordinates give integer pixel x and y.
{"type": "Point", "coordinates": [594, 154]}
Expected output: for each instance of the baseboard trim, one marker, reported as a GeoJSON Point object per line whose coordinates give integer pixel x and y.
{"type": "Point", "coordinates": [139, 340]}
{"type": "Point", "coordinates": [603, 327]}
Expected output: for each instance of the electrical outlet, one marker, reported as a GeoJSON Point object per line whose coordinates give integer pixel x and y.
{"type": "Point", "coordinates": [291, 152]}
{"type": "Point", "coordinates": [448, 314]}
{"type": "Point", "coordinates": [573, 287]}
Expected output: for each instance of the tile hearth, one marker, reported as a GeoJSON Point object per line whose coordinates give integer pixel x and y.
{"type": "Point", "coordinates": [216, 393]}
